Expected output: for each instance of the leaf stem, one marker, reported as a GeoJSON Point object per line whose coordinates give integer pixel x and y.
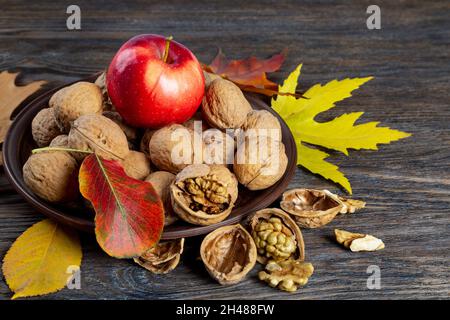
{"type": "Point", "coordinates": [59, 149]}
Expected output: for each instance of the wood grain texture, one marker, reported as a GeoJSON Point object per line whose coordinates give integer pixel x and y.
{"type": "Point", "coordinates": [406, 184]}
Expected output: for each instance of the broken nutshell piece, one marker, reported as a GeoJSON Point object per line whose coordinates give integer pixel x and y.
{"type": "Point", "coordinates": [277, 236]}
{"type": "Point", "coordinates": [287, 275]}
{"type": "Point", "coordinates": [357, 241]}
{"type": "Point", "coordinates": [204, 194]}
{"type": "Point", "coordinates": [163, 257]}
{"type": "Point", "coordinates": [313, 208]}
{"type": "Point", "coordinates": [228, 253]}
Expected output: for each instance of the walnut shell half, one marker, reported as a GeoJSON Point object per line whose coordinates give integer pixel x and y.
{"type": "Point", "coordinates": [270, 229]}
{"type": "Point", "coordinates": [203, 194]}
{"type": "Point", "coordinates": [310, 208]}
{"type": "Point", "coordinates": [228, 253]}
{"type": "Point", "coordinates": [163, 257]}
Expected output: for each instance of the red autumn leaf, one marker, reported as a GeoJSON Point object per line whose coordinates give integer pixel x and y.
{"type": "Point", "coordinates": [247, 72]}
{"type": "Point", "coordinates": [129, 213]}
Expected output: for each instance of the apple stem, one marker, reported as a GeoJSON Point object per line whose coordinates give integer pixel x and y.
{"type": "Point", "coordinates": [166, 51]}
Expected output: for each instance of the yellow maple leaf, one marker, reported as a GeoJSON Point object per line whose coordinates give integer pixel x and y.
{"type": "Point", "coordinates": [338, 134]}
{"type": "Point", "coordinates": [37, 263]}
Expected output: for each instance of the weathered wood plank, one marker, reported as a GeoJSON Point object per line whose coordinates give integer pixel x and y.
{"type": "Point", "coordinates": [406, 184]}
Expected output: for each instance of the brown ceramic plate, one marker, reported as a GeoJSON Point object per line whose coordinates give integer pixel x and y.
{"type": "Point", "coordinates": [19, 143]}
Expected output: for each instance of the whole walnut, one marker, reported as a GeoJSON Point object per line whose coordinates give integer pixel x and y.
{"type": "Point", "coordinates": [44, 127]}
{"type": "Point", "coordinates": [161, 181]}
{"type": "Point", "coordinates": [218, 147]}
{"type": "Point", "coordinates": [129, 131]}
{"type": "Point", "coordinates": [136, 165]}
{"type": "Point", "coordinates": [78, 99]}
{"type": "Point", "coordinates": [53, 176]}
{"type": "Point", "coordinates": [264, 123]}
{"type": "Point", "coordinates": [145, 141]}
{"type": "Point", "coordinates": [172, 148]}
{"type": "Point", "coordinates": [260, 162]}
{"type": "Point", "coordinates": [94, 132]}
{"type": "Point", "coordinates": [224, 105]}
{"type": "Point", "coordinates": [204, 194]}
{"type": "Point", "coordinates": [60, 141]}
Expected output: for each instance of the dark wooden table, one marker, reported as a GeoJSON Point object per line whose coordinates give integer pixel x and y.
{"type": "Point", "coordinates": [406, 184]}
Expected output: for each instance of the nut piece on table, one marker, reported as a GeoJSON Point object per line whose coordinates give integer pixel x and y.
{"type": "Point", "coordinates": [130, 132]}
{"type": "Point", "coordinates": [94, 132]}
{"type": "Point", "coordinates": [163, 257]}
{"type": "Point", "coordinates": [260, 162]}
{"type": "Point", "coordinates": [218, 147]}
{"type": "Point", "coordinates": [76, 100]}
{"type": "Point", "coordinates": [136, 165]}
{"type": "Point", "coordinates": [287, 275]}
{"type": "Point", "coordinates": [277, 236]}
{"type": "Point", "coordinates": [358, 241]}
{"type": "Point", "coordinates": [61, 141]}
{"type": "Point", "coordinates": [52, 175]}
{"type": "Point", "coordinates": [228, 253]}
{"type": "Point", "coordinates": [161, 181]}
{"type": "Point", "coordinates": [262, 122]}
{"type": "Point", "coordinates": [44, 127]}
{"type": "Point", "coordinates": [224, 105]}
{"type": "Point", "coordinates": [204, 195]}
{"type": "Point", "coordinates": [173, 140]}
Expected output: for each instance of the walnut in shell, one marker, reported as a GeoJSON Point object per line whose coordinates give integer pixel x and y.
{"type": "Point", "coordinates": [129, 131]}
{"type": "Point", "coordinates": [196, 123]}
{"type": "Point", "coordinates": [172, 148]}
{"type": "Point", "coordinates": [224, 105]}
{"type": "Point", "coordinates": [94, 132]}
{"type": "Point", "coordinates": [101, 83]}
{"type": "Point", "coordinates": [60, 141]}
{"type": "Point", "coordinates": [228, 253]}
{"type": "Point", "coordinates": [218, 147]}
{"type": "Point", "coordinates": [260, 162]}
{"type": "Point", "coordinates": [136, 165]}
{"type": "Point", "coordinates": [76, 100]}
{"type": "Point", "coordinates": [210, 77]}
{"type": "Point", "coordinates": [357, 241]}
{"type": "Point", "coordinates": [277, 236]}
{"type": "Point", "coordinates": [44, 127]}
{"type": "Point", "coordinates": [263, 123]}
{"type": "Point", "coordinates": [204, 194]}
{"type": "Point", "coordinates": [163, 257]}
{"type": "Point", "coordinates": [145, 141]}
{"type": "Point", "coordinates": [161, 181]}
{"type": "Point", "coordinates": [52, 175]}
{"type": "Point", "coordinates": [287, 275]}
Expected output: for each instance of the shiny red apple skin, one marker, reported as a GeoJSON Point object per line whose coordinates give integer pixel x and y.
{"type": "Point", "coordinates": [150, 93]}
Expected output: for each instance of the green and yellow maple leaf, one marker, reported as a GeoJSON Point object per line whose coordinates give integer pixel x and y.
{"type": "Point", "coordinates": [338, 134]}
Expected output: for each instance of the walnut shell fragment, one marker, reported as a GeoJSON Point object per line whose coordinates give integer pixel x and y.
{"type": "Point", "coordinates": [277, 236]}
{"type": "Point", "coordinates": [161, 181]}
{"type": "Point", "coordinates": [311, 208]}
{"type": "Point", "coordinates": [228, 253]}
{"type": "Point", "coordinates": [287, 275]}
{"type": "Point", "coordinates": [203, 194]}
{"type": "Point", "coordinates": [357, 241]}
{"type": "Point", "coordinates": [163, 257]}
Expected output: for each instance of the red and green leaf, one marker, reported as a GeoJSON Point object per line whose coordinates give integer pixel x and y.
{"type": "Point", "coordinates": [129, 213]}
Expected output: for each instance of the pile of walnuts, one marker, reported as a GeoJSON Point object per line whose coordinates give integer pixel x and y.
{"type": "Point", "coordinates": [200, 189]}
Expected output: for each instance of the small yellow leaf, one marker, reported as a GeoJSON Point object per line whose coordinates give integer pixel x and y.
{"type": "Point", "coordinates": [286, 105]}
{"type": "Point", "coordinates": [37, 263]}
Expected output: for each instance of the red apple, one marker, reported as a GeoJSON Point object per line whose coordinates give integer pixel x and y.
{"type": "Point", "coordinates": [154, 81]}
